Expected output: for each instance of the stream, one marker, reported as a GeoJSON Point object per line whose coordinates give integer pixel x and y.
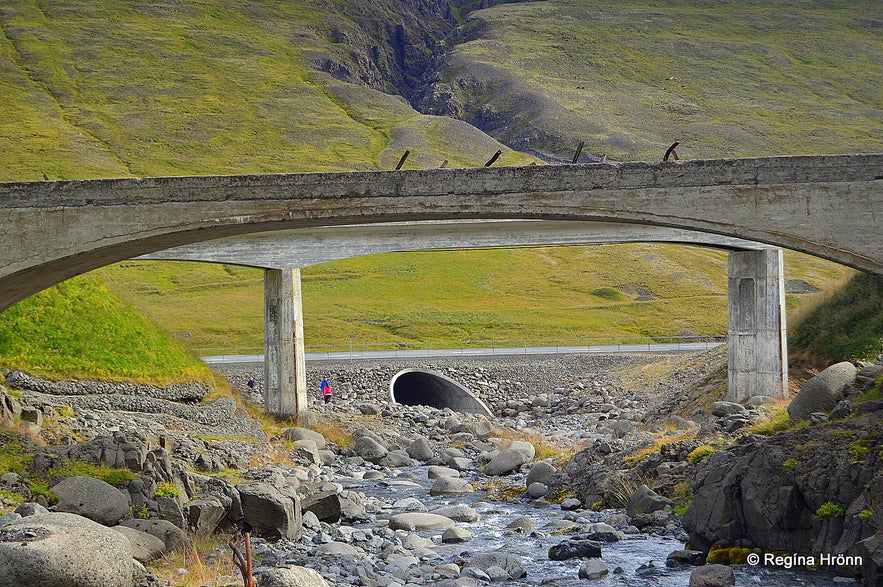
{"type": "Point", "coordinates": [637, 560]}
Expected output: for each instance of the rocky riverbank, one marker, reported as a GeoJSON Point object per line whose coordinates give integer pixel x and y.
{"type": "Point", "coordinates": [383, 497]}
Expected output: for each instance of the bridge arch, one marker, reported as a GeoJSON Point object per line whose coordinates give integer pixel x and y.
{"type": "Point", "coordinates": [55, 230]}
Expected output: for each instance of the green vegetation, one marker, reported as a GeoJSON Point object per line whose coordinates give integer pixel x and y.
{"type": "Point", "coordinates": [846, 324]}
{"type": "Point", "coordinates": [164, 489]}
{"type": "Point", "coordinates": [227, 88]}
{"type": "Point", "coordinates": [79, 329]}
{"type": "Point", "coordinates": [700, 452]}
{"type": "Point", "coordinates": [776, 421]}
{"type": "Point", "coordinates": [829, 509]}
{"type": "Point", "coordinates": [724, 78]}
{"type": "Point", "coordinates": [790, 464]}
{"type": "Point", "coordinates": [453, 297]}
{"type": "Point", "coordinates": [203, 88]}
{"type": "Point", "coordinates": [110, 475]}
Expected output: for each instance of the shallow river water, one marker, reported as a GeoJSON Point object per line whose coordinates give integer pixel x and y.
{"type": "Point", "coordinates": [635, 561]}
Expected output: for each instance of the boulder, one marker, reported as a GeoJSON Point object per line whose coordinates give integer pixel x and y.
{"type": "Point", "coordinates": [540, 472]}
{"type": "Point", "coordinates": [63, 550]}
{"type": "Point", "coordinates": [324, 504]}
{"type": "Point", "coordinates": [574, 549]}
{"type": "Point", "coordinates": [685, 558]}
{"type": "Point", "coordinates": [291, 577]}
{"type": "Point", "coordinates": [451, 486]}
{"type": "Point", "coordinates": [456, 535]}
{"type": "Point", "coordinates": [822, 392]}
{"type": "Point", "coordinates": [724, 409]}
{"type": "Point", "coordinates": [537, 490]}
{"type": "Point", "coordinates": [419, 521]}
{"type": "Point", "coordinates": [369, 449]}
{"type": "Point", "coordinates": [145, 547]}
{"type": "Point", "coordinates": [644, 501]}
{"type": "Point", "coordinates": [521, 525]}
{"type": "Point", "coordinates": [511, 458]}
{"type": "Point", "coordinates": [712, 576]}
{"type": "Point", "coordinates": [436, 471]}
{"type": "Point", "coordinates": [172, 536]}
{"type": "Point", "coordinates": [397, 458]}
{"type": "Point", "coordinates": [295, 434]}
{"type": "Point", "coordinates": [511, 565]}
{"type": "Point", "coordinates": [420, 450]}
{"type": "Point", "coordinates": [203, 514]}
{"type": "Point", "coordinates": [92, 498]}
{"type": "Point", "coordinates": [593, 569]}
{"type": "Point", "coordinates": [271, 511]}
{"type": "Point", "coordinates": [458, 513]}
{"type": "Point", "coordinates": [352, 507]}
{"type": "Point", "coordinates": [871, 551]}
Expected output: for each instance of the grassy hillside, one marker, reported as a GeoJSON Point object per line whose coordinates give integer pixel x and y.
{"type": "Point", "coordinates": [841, 325]}
{"type": "Point", "coordinates": [79, 329]}
{"type": "Point", "coordinates": [728, 78]}
{"type": "Point", "coordinates": [456, 296]}
{"type": "Point", "coordinates": [213, 87]}
{"type": "Point", "coordinates": [111, 88]}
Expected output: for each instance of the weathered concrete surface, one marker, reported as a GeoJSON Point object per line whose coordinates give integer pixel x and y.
{"type": "Point", "coordinates": [757, 334]}
{"type": "Point", "coordinates": [303, 247]}
{"type": "Point", "coordinates": [285, 390]}
{"type": "Point", "coordinates": [54, 230]}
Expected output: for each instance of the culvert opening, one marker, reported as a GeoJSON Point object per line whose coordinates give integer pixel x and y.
{"type": "Point", "coordinates": [416, 387]}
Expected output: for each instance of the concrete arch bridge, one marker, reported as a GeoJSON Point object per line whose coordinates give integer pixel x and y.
{"type": "Point", "coordinates": [827, 206]}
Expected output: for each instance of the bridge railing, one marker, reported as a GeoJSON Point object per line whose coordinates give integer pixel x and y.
{"type": "Point", "coordinates": [356, 349]}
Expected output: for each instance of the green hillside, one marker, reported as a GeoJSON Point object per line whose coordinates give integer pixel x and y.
{"type": "Point", "coordinates": [456, 297]}
{"type": "Point", "coordinates": [726, 79]}
{"type": "Point", "coordinates": [111, 88]}
{"type": "Point", "coordinates": [79, 329]}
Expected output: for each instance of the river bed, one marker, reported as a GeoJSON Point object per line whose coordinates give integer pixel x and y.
{"type": "Point", "coordinates": [637, 560]}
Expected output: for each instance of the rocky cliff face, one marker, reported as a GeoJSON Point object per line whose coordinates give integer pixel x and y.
{"type": "Point", "coordinates": [808, 491]}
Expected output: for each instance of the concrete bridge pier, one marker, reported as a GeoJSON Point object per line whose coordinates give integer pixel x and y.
{"type": "Point", "coordinates": [285, 389]}
{"type": "Point", "coordinates": [758, 346]}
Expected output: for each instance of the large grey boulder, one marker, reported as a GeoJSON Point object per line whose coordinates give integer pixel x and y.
{"type": "Point", "coordinates": [174, 538]}
{"type": "Point", "coordinates": [712, 576]}
{"type": "Point", "coordinates": [451, 486]}
{"type": "Point", "coordinates": [324, 504]}
{"type": "Point", "coordinates": [458, 513]}
{"type": "Point", "coordinates": [540, 472]}
{"type": "Point", "coordinates": [291, 577]}
{"type": "Point", "coordinates": [63, 550]}
{"type": "Point", "coordinates": [511, 458]}
{"type": "Point", "coordinates": [203, 515]}
{"type": "Point", "coordinates": [419, 521]}
{"type": "Point", "coordinates": [296, 434]}
{"type": "Point", "coordinates": [369, 449]}
{"type": "Point", "coordinates": [92, 498]}
{"type": "Point", "coordinates": [271, 511]}
{"type": "Point", "coordinates": [645, 501]}
{"type": "Point", "coordinates": [822, 392]}
{"type": "Point", "coordinates": [420, 450]}
{"type": "Point", "coordinates": [592, 569]}
{"type": "Point", "coordinates": [145, 547]}
{"type": "Point", "coordinates": [508, 563]}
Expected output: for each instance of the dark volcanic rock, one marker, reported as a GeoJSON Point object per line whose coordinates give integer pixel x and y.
{"type": "Point", "coordinates": [574, 549]}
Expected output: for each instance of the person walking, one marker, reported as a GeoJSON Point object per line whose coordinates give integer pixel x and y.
{"type": "Point", "coordinates": [325, 386]}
